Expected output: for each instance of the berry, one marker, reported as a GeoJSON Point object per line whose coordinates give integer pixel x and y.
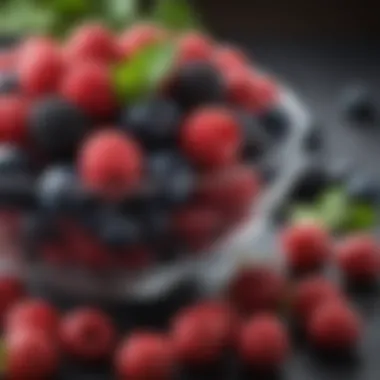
{"type": "Point", "coordinates": [11, 291]}
{"type": "Point", "coordinates": [87, 334]}
{"type": "Point", "coordinates": [239, 88]}
{"type": "Point", "coordinates": [9, 83]}
{"type": "Point", "coordinates": [57, 126]}
{"type": "Point", "coordinates": [110, 163]}
{"type": "Point", "coordinates": [194, 47]}
{"type": "Point", "coordinates": [228, 58]}
{"type": "Point", "coordinates": [13, 119]}
{"type": "Point", "coordinates": [12, 161]}
{"type": "Point", "coordinates": [88, 85]}
{"type": "Point", "coordinates": [155, 122]}
{"type": "Point", "coordinates": [31, 354]}
{"type": "Point", "coordinates": [276, 121]}
{"type": "Point", "coordinates": [264, 342]}
{"type": "Point", "coordinates": [202, 333]}
{"type": "Point", "coordinates": [211, 137]}
{"type": "Point", "coordinates": [264, 96]}
{"type": "Point", "coordinates": [257, 289]}
{"type": "Point", "coordinates": [314, 139]}
{"type": "Point", "coordinates": [358, 258]}
{"type": "Point", "coordinates": [145, 356]}
{"type": "Point", "coordinates": [33, 315]}
{"type": "Point", "coordinates": [138, 37]}
{"type": "Point", "coordinates": [334, 326]}
{"type": "Point", "coordinates": [196, 84]}
{"type": "Point", "coordinates": [310, 294]}
{"type": "Point", "coordinates": [40, 69]}
{"type": "Point", "coordinates": [363, 188]}
{"type": "Point", "coordinates": [307, 246]}
{"type": "Point", "coordinates": [91, 42]}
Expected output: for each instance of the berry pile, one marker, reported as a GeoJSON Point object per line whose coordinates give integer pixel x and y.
{"type": "Point", "coordinates": [253, 321]}
{"type": "Point", "coordinates": [103, 174]}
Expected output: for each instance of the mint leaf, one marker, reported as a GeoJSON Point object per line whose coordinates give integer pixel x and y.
{"type": "Point", "coordinates": [122, 12]}
{"type": "Point", "coordinates": [360, 216]}
{"type": "Point", "coordinates": [175, 14]}
{"type": "Point", "coordinates": [304, 213]}
{"type": "Point", "coordinates": [141, 75]}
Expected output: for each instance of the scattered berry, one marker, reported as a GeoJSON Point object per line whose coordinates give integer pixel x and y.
{"type": "Point", "coordinates": [110, 163]}
{"type": "Point", "coordinates": [358, 258]}
{"type": "Point", "coordinates": [145, 356]}
{"type": "Point", "coordinates": [307, 246]}
{"type": "Point", "coordinates": [194, 47]}
{"type": "Point", "coordinates": [264, 343]}
{"type": "Point", "coordinates": [211, 137]}
{"type": "Point", "coordinates": [87, 334]}
{"type": "Point", "coordinates": [334, 326]}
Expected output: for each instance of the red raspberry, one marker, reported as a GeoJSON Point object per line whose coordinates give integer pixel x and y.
{"type": "Point", "coordinates": [200, 334]}
{"type": "Point", "coordinates": [358, 258]}
{"type": "Point", "coordinates": [197, 225]}
{"type": "Point", "coordinates": [139, 37]}
{"type": "Point", "coordinates": [91, 42]}
{"type": "Point", "coordinates": [11, 291]}
{"type": "Point", "coordinates": [33, 315]}
{"type": "Point", "coordinates": [264, 94]}
{"type": "Point", "coordinates": [307, 246]}
{"type": "Point", "coordinates": [334, 326]}
{"type": "Point", "coordinates": [257, 289]}
{"type": "Point", "coordinates": [264, 342]}
{"type": "Point", "coordinates": [13, 119]}
{"type": "Point", "coordinates": [145, 356]}
{"type": "Point", "coordinates": [228, 58]}
{"type": "Point", "coordinates": [87, 334]}
{"type": "Point", "coordinates": [110, 163]}
{"type": "Point", "coordinates": [40, 68]}
{"type": "Point", "coordinates": [194, 47]}
{"type": "Point", "coordinates": [88, 85]}
{"type": "Point", "coordinates": [31, 354]}
{"type": "Point", "coordinates": [211, 137]}
{"type": "Point", "coordinates": [310, 294]}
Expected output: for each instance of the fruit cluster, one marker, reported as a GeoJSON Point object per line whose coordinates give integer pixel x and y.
{"type": "Point", "coordinates": [253, 320]}
{"type": "Point", "coordinates": [147, 178]}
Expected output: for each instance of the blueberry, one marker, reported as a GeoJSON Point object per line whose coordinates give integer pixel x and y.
{"type": "Point", "coordinates": [276, 122]}
{"type": "Point", "coordinates": [313, 141]}
{"type": "Point", "coordinates": [363, 188]}
{"type": "Point", "coordinates": [57, 127]}
{"type": "Point", "coordinates": [9, 83]}
{"type": "Point", "coordinates": [359, 106]}
{"type": "Point", "coordinates": [197, 83]}
{"type": "Point", "coordinates": [12, 161]}
{"type": "Point", "coordinates": [155, 122]}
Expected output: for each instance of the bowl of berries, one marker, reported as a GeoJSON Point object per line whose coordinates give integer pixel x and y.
{"type": "Point", "coordinates": [131, 163]}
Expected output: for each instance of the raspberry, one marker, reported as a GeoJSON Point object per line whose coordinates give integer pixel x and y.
{"type": "Point", "coordinates": [40, 68]}
{"type": "Point", "coordinates": [310, 294]}
{"type": "Point", "coordinates": [88, 85]}
{"type": "Point", "coordinates": [13, 119]}
{"type": "Point", "coordinates": [307, 246]}
{"type": "Point", "coordinates": [91, 42]}
{"type": "Point", "coordinates": [110, 163]}
{"type": "Point", "coordinates": [11, 291]}
{"type": "Point", "coordinates": [358, 258]}
{"type": "Point", "coordinates": [239, 87]}
{"type": "Point", "coordinates": [147, 356]}
{"type": "Point", "coordinates": [264, 94]}
{"type": "Point", "coordinates": [200, 334]}
{"type": "Point", "coordinates": [228, 58]}
{"type": "Point", "coordinates": [264, 342]}
{"type": "Point", "coordinates": [33, 315]}
{"type": "Point", "coordinates": [31, 354]}
{"type": "Point", "coordinates": [139, 37]}
{"type": "Point", "coordinates": [87, 334]}
{"type": "Point", "coordinates": [334, 326]}
{"type": "Point", "coordinates": [257, 289]}
{"type": "Point", "coordinates": [211, 137]}
{"type": "Point", "coordinates": [194, 47]}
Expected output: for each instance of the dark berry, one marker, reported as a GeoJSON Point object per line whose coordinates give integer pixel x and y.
{"type": "Point", "coordinates": [155, 122]}
{"type": "Point", "coordinates": [57, 126]}
{"type": "Point", "coordinates": [314, 139]}
{"type": "Point", "coordinates": [9, 83]}
{"type": "Point", "coordinates": [359, 105]}
{"type": "Point", "coordinates": [196, 84]}
{"type": "Point", "coordinates": [276, 122]}
{"type": "Point", "coordinates": [363, 188]}
{"type": "Point", "coordinates": [12, 161]}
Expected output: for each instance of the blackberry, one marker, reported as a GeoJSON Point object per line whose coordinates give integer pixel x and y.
{"type": "Point", "coordinates": [197, 83]}
{"type": "Point", "coordinates": [57, 127]}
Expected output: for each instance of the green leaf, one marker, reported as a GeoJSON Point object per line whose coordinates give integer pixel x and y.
{"type": "Point", "coordinates": [175, 14]}
{"type": "Point", "coordinates": [360, 216]}
{"type": "Point", "coordinates": [141, 75]}
{"type": "Point", "coordinates": [122, 12]}
{"type": "Point", "coordinates": [303, 213]}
